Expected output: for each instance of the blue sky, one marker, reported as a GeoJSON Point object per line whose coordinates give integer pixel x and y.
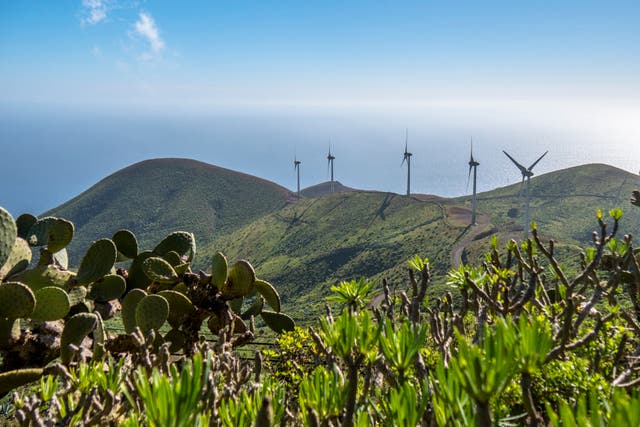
{"type": "Point", "coordinates": [316, 53]}
{"type": "Point", "coordinates": [91, 86]}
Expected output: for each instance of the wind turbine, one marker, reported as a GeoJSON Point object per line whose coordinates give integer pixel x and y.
{"type": "Point", "coordinates": [526, 173]}
{"type": "Point", "coordinates": [473, 164]}
{"type": "Point", "coordinates": [330, 159]}
{"type": "Point", "coordinates": [407, 158]}
{"type": "Point", "coordinates": [296, 166]}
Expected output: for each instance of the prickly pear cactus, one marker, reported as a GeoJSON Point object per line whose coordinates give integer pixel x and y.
{"type": "Point", "coordinates": [76, 329]}
{"type": "Point", "coordinates": [16, 300]}
{"type": "Point", "coordinates": [97, 262]}
{"type": "Point", "coordinates": [52, 303]}
{"type": "Point", "coordinates": [151, 312]}
{"type": "Point", "coordinates": [8, 234]}
{"type": "Point", "coordinates": [126, 244]}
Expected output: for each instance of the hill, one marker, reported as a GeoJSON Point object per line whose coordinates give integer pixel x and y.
{"type": "Point", "coordinates": [563, 204]}
{"type": "Point", "coordinates": [324, 189]}
{"type": "Point", "coordinates": [312, 244]}
{"type": "Point", "coordinates": [155, 197]}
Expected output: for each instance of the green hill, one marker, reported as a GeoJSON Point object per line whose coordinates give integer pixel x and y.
{"type": "Point", "coordinates": [563, 204]}
{"type": "Point", "coordinates": [305, 246]}
{"type": "Point", "coordinates": [155, 197]}
{"type": "Point", "coordinates": [312, 244]}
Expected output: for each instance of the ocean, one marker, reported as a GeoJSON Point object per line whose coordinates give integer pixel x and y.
{"type": "Point", "coordinates": [51, 154]}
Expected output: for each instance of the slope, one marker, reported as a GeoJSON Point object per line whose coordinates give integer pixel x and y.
{"type": "Point", "coordinates": [155, 197]}
{"type": "Point", "coordinates": [312, 244]}
{"type": "Point", "coordinates": [563, 204]}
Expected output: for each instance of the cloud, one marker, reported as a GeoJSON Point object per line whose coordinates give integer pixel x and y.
{"type": "Point", "coordinates": [146, 28]}
{"type": "Point", "coordinates": [94, 11]}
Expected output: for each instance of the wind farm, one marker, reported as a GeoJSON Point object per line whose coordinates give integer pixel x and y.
{"type": "Point", "coordinates": [407, 157]}
{"type": "Point", "coordinates": [527, 173]}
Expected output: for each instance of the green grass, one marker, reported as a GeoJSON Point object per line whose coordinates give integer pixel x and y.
{"type": "Point", "coordinates": [306, 246]}
{"type": "Point", "coordinates": [155, 197]}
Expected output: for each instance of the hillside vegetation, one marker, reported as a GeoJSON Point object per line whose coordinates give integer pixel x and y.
{"type": "Point", "coordinates": [155, 197]}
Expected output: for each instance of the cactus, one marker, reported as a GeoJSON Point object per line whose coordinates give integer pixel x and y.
{"type": "Point", "coordinates": [16, 300]}
{"type": "Point", "coordinates": [8, 234]}
{"type": "Point", "coordinates": [98, 338]}
{"type": "Point", "coordinates": [18, 259]}
{"type": "Point", "coordinates": [19, 377]}
{"type": "Point", "coordinates": [97, 262]}
{"type": "Point", "coordinates": [180, 307]}
{"type": "Point", "coordinates": [181, 242]}
{"type": "Point", "coordinates": [76, 329]}
{"type": "Point", "coordinates": [159, 271]}
{"type": "Point", "coordinates": [24, 224]}
{"type": "Point", "coordinates": [52, 303]}
{"type": "Point", "coordinates": [9, 331]}
{"type": "Point", "coordinates": [151, 312]}
{"type": "Point", "coordinates": [269, 293]}
{"type": "Point", "coordinates": [219, 270]}
{"type": "Point", "coordinates": [129, 304]}
{"type": "Point", "coordinates": [254, 309]}
{"type": "Point", "coordinates": [278, 322]}
{"type": "Point", "coordinates": [55, 233]}
{"type": "Point", "coordinates": [240, 280]}
{"type": "Point", "coordinates": [172, 258]}
{"type": "Point", "coordinates": [177, 339]}
{"type": "Point", "coordinates": [108, 288]}
{"type": "Point", "coordinates": [126, 244]}
{"type": "Point", "coordinates": [42, 276]}
{"type": "Point", "coordinates": [77, 295]}
{"type": "Point", "coordinates": [137, 277]}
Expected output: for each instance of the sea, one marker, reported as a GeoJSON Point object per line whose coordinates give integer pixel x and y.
{"type": "Point", "coordinates": [51, 153]}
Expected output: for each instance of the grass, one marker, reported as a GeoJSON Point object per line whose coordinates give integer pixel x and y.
{"type": "Point", "coordinates": [306, 246]}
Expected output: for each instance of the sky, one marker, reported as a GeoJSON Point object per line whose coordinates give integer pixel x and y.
{"type": "Point", "coordinates": [245, 84]}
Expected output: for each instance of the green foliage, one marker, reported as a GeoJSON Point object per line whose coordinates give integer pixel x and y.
{"type": "Point", "coordinates": [352, 294]}
{"type": "Point", "coordinates": [324, 393]}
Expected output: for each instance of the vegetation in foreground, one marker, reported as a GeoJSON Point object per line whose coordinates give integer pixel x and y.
{"type": "Point", "coordinates": [519, 342]}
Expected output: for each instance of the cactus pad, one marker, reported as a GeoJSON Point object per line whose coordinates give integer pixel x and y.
{"type": "Point", "coordinates": [52, 303]}
{"type": "Point", "coordinates": [18, 259]}
{"type": "Point", "coordinates": [108, 287]}
{"type": "Point", "coordinates": [129, 304]}
{"type": "Point", "coordinates": [240, 280]}
{"type": "Point", "coordinates": [219, 270]}
{"type": "Point", "coordinates": [97, 262]}
{"type": "Point", "coordinates": [278, 322]}
{"type": "Point", "coordinates": [46, 275]}
{"type": "Point", "coordinates": [269, 293]}
{"type": "Point", "coordinates": [236, 304]}
{"type": "Point", "coordinates": [254, 309]}
{"type": "Point", "coordinates": [77, 294]}
{"type": "Point", "coordinates": [19, 377]}
{"type": "Point", "coordinates": [177, 339]}
{"type": "Point", "coordinates": [9, 331]}
{"type": "Point", "coordinates": [61, 259]}
{"type": "Point", "coordinates": [151, 312]}
{"type": "Point", "coordinates": [159, 270]}
{"type": "Point", "coordinates": [8, 234]}
{"type": "Point", "coordinates": [214, 324]}
{"type": "Point", "coordinates": [137, 277]}
{"type": "Point", "coordinates": [180, 307]}
{"type": "Point", "coordinates": [56, 233]}
{"type": "Point", "coordinates": [181, 242]}
{"type": "Point", "coordinates": [16, 300]}
{"type": "Point", "coordinates": [172, 258]}
{"type": "Point", "coordinates": [75, 330]}
{"type": "Point", "coordinates": [126, 244]}
{"type": "Point", "coordinates": [24, 224]}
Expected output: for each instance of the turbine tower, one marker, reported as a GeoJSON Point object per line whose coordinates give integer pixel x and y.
{"type": "Point", "coordinates": [473, 164]}
{"type": "Point", "coordinates": [526, 173]}
{"type": "Point", "coordinates": [330, 159]}
{"type": "Point", "coordinates": [407, 158]}
{"type": "Point", "coordinates": [296, 166]}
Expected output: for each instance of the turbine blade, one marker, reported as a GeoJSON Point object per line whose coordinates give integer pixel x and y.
{"type": "Point", "coordinates": [469, 177]}
{"type": "Point", "coordinates": [522, 168]}
{"type": "Point", "coordinates": [540, 158]}
{"type": "Point", "coordinates": [403, 160]}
